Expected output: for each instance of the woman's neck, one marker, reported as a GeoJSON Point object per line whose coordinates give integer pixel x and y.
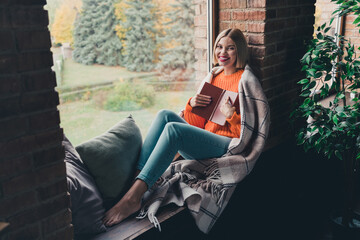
{"type": "Point", "coordinates": [229, 70]}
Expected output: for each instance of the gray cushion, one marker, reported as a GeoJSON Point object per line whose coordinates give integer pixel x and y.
{"type": "Point", "coordinates": [86, 202]}
{"type": "Point", "coordinates": [111, 158]}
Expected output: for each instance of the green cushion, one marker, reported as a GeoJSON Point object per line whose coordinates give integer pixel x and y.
{"type": "Point", "coordinates": [111, 158]}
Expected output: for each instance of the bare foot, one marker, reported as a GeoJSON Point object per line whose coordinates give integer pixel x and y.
{"type": "Point", "coordinates": [123, 209]}
{"type": "Point", "coordinates": [129, 204]}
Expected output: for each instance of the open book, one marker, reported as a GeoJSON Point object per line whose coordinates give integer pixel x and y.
{"type": "Point", "coordinates": [218, 96]}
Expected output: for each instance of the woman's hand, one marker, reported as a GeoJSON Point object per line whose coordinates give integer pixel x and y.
{"type": "Point", "coordinates": [200, 100]}
{"type": "Point", "coordinates": [227, 108]}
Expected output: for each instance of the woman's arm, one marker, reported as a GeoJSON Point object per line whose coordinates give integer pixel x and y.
{"type": "Point", "coordinates": [192, 118]}
{"type": "Point", "coordinates": [234, 123]}
{"type": "Point", "coordinates": [228, 109]}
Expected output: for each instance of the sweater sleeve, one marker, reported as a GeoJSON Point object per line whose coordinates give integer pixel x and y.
{"type": "Point", "coordinates": [192, 118]}
{"type": "Point", "coordinates": [234, 123]}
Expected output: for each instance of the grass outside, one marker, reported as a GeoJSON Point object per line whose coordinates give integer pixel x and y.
{"type": "Point", "coordinates": [85, 119]}
{"type": "Point", "coordinates": [82, 120]}
{"type": "Point", "coordinates": [76, 74]}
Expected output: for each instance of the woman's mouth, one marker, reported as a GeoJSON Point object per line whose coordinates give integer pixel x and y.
{"type": "Point", "coordinates": [223, 59]}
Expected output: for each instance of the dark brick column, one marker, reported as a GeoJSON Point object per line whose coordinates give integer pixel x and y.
{"type": "Point", "coordinates": [33, 193]}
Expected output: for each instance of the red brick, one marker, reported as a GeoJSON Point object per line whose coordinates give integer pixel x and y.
{"type": "Point", "coordinates": [56, 222]}
{"type": "Point", "coordinates": [256, 3]}
{"type": "Point", "coordinates": [52, 190]}
{"type": "Point", "coordinates": [39, 80]}
{"type": "Point", "coordinates": [6, 41]}
{"type": "Point", "coordinates": [35, 60]}
{"type": "Point", "coordinates": [239, 15]}
{"type": "Point", "coordinates": [48, 156]}
{"type": "Point", "coordinates": [223, 4]}
{"type": "Point", "coordinates": [13, 128]}
{"type": "Point", "coordinates": [223, 26]}
{"type": "Point", "coordinates": [256, 15]}
{"type": "Point", "coordinates": [256, 27]}
{"type": "Point", "coordinates": [10, 206]}
{"type": "Point", "coordinates": [37, 39]}
{"type": "Point", "coordinates": [9, 85]}
{"type": "Point", "coordinates": [256, 39]}
{"type": "Point", "coordinates": [39, 101]}
{"type": "Point", "coordinates": [238, 4]}
{"type": "Point", "coordinates": [224, 16]}
{"type": "Point", "coordinates": [239, 25]}
{"type": "Point", "coordinates": [11, 167]}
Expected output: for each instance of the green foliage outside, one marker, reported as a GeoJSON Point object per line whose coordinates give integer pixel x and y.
{"type": "Point", "coordinates": [177, 62]}
{"type": "Point", "coordinates": [128, 96]}
{"type": "Point", "coordinates": [140, 36]}
{"type": "Point", "coordinates": [95, 39]}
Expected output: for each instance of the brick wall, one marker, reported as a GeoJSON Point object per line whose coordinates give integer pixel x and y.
{"type": "Point", "coordinates": [33, 197]}
{"type": "Point", "coordinates": [323, 13]}
{"type": "Point", "coordinates": [200, 29]}
{"type": "Point", "coordinates": [351, 32]}
{"type": "Point", "coordinates": [324, 9]}
{"type": "Point", "coordinates": [275, 31]}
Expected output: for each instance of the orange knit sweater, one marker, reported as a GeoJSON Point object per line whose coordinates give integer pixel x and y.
{"type": "Point", "coordinates": [232, 126]}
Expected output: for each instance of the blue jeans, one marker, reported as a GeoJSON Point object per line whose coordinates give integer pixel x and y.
{"type": "Point", "coordinates": [169, 134]}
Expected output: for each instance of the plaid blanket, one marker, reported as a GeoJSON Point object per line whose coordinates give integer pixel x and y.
{"type": "Point", "coordinates": [206, 186]}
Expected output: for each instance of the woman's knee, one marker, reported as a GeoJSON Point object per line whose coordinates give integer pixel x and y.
{"type": "Point", "coordinates": [173, 129]}
{"type": "Point", "coordinates": [166, 114]}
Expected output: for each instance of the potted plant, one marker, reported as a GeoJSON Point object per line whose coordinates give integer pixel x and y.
{"type": "Point", "coordinates": [332, 72]}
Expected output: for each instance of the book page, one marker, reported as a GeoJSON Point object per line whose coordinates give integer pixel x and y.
{"type": "Point", "coordinates": [218, 117]}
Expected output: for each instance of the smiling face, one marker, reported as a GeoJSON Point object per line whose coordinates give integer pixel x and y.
{"type": "Point", "coordinates": [226, 54]}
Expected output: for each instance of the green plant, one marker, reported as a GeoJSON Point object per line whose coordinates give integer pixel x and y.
{"type": "Point", "coordinates": [332, 70]}
{"type": "Point", "coordinates": [130, 96]}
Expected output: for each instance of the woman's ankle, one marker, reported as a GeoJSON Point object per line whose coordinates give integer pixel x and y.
{"type": "Point", "coordinates": [136, 191]}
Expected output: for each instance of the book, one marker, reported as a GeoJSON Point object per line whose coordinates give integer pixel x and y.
{"type": "Point", "coordinates": [218, 95]}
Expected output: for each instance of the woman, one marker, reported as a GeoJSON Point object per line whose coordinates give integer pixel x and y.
{"type": "Point", "coordinates": [192, 136]}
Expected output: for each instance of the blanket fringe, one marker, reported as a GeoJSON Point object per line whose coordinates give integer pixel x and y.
{"type": "Point", "coordinates": [218, 190]}
{"type": "Point", "coordinates": [154, 221]}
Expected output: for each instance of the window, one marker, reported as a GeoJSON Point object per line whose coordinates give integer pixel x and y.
{"type": "Point", "coordinates": [122, 57]}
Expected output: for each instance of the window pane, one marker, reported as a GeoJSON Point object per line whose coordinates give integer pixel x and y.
{"type": "Point", "coordinates": [116, 58]}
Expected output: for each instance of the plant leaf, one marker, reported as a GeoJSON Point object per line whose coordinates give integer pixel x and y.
{"type": "Point", "coordinates": [338, 154]}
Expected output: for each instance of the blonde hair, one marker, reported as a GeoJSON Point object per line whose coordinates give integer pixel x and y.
{"type": "Point", "coordinates": [241, 46]}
